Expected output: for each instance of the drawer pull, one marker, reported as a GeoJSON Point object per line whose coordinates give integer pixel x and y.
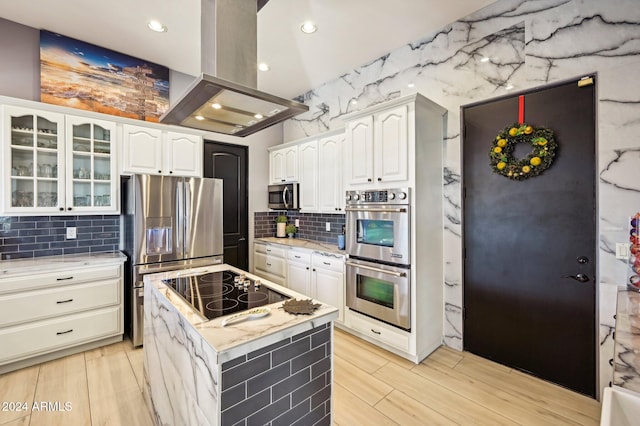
{"type": "Point", "coordinates": [327, 263]}
{"type": "Point", "coordinates": [268, 264]}
{"type": "Point", "coordinates": [64, 332]}
{"type": "Point", "coordinates": [64, 279]}
{"type": "Point", "coordinates": [64, 301]}
{"type": "Point", "coordinates": [268, 250]}
{"type": "Point", "coordinates": [297, 257]}
{"type": "Point", "coordinates": [375, 332]}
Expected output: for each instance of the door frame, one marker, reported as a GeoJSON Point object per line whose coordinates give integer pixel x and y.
{"type": "Point", "coordinates": [596, 186]}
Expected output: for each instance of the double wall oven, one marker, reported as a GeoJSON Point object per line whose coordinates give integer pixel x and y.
{"type": "Point", "coordinates": [378, 242]}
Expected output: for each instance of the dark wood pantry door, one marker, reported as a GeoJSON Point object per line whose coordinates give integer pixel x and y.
{"type": "Point", "coordinates": [229, 163]}
{"type": "Point", "coordinates": [526, 242]}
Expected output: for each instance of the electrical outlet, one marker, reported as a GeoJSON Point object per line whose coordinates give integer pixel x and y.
{"type": "Point", "coordinates": [622, 251]}
{"type": "Point", "coordinates": [71, 233]}
{"type": "Point", "coordinates": [297, 223]}
{"type": "Point", "coordinates": [328, 226]}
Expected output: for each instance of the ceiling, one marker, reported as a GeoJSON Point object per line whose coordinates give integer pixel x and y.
{"type": "Point", "coordinates": [350, 32]}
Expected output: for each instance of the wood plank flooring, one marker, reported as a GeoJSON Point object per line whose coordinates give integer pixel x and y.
{"type": "Point", "coordinates": [371, 387]}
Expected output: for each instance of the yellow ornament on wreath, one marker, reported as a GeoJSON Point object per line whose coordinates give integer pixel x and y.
{"type": "Point", "coordinates": [540, 158]}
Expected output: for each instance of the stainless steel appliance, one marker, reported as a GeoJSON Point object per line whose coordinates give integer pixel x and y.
{"type": "Point", "coordinates": [380, 291]}
{"type": "Point", "coordinates": [378, 241]}
{"type": "Point", "coordinates": [284, 196]}
{"type": "Point", "coordinates": [378, 225]}
{"type": "Point", "coordinates": [167, 223]}
{"type": "Point", "coordinates": [215, 294]}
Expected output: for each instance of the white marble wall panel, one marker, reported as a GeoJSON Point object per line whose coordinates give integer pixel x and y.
{"type": "Point", "coordinates": [530, 43]}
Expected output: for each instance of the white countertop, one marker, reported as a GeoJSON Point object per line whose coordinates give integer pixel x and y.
{"type": "Point", "coordinates": [55, 263]}
{"type": "Point", "coordinates": [241, 337]}
{"type": "Point", "coordinates": [306, 244]}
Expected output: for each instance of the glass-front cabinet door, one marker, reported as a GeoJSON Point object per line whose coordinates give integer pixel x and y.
{"type": "Point", "coordinates": [91, 164]}
{"type": "Point", "coordinates": [34, 156]}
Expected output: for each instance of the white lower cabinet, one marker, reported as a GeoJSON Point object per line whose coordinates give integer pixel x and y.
{"type": "Point", "coordinates": [44, 313]}
{"type": "Point", "coordinates": [269, 261]}
{"type": "Point", "coordinates": [317, 275]}
{"type": "Point", "coordinates": [381, 332]}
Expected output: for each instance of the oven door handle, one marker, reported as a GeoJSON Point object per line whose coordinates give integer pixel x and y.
{"type": "Point", "coordinates": [376, 210]}
{"type": "Point", "coordinates": [383, 271]}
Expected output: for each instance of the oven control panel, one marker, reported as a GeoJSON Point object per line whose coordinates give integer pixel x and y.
{"type": "Point", "coordinates": [377, 197]}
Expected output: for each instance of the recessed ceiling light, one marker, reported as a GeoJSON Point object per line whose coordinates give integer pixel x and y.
{"type": "Point", "coordinates": [156, 26]}
{"type": "Point", "coordinates": [199, 117]}
{"type": "Point", "coordinates": [484, 59]}
{"type": "Point", "coordinates": [258, 116]}
{"type": "Point", "coordinates": [411, 85]}
{"type": "Point", "coordinates": [263, 66]}
{"type": "Point", "coordinates": [509, 87]}
{"type": "Point", "coordinates": [216, 106]}
{"type": "Point", "coordinates": [353, 102]}
{"type": "Point", "coordinates": [308, 27]}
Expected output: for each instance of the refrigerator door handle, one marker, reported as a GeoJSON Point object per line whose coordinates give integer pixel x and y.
{"type": "Point", "coordinates": [188, 201]}
{"type": "Point", "coordinates": [179, 217]}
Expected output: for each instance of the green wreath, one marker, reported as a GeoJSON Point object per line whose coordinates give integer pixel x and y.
{"type": "Point", "coordinates": [543, 150]}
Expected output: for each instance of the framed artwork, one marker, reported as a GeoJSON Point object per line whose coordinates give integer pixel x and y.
{"type": "Point", "coordinates": [85, 76]}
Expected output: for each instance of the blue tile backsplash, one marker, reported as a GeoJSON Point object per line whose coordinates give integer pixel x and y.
{"type": "Point", "coordinates": [35, 236]}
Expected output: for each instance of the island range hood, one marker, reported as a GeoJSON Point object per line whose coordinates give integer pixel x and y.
{"type": "Point", "coordinates": [224, 98]}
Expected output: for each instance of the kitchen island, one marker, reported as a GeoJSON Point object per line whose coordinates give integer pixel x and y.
{"type": "Point", "coordinates": [199, 372]}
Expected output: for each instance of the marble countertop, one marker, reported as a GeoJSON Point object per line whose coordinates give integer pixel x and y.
{"type": "Point", "coordinates": [306, 244]}
{"type": "Point", "coordinates": [55, 263]}
{"type": "Point", "coordinates": [238, 338]}
{"type": "Point", "coordinates": [626, 368]}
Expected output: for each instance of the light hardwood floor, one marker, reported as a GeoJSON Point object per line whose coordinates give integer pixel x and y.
{"type": "Point", "coordinates": [371, 387]}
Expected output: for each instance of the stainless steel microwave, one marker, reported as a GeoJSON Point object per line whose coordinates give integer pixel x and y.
{"type": "Point", "coordinates": [284, 196]}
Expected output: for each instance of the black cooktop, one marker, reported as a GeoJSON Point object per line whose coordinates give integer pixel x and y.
{"type": "Point", "coordinates": [221, 293]}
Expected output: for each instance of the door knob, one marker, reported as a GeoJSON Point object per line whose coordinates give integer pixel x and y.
{"type": "Point", "coordinates": [578, 277]}
{"type": "Point", "coordinates": [582, 260]}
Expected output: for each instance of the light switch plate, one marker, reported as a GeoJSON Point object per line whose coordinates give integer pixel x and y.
{"type": "Point", "coordinates": [297, 223]}
{"type": "Point", "coordinates": [622, 251]}
{"type": "Point", "coordinates": [71, 233]}
{"type": "Point", "coordinates": [328, 226]}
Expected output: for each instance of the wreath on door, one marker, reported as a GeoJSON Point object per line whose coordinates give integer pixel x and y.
{"type": "Point", "coordinates": [541, 140]}
{"type": "Point", "coordinates": [543, 149]}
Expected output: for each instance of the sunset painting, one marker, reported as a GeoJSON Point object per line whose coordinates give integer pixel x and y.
{"type": "Point", "coordinates": [84, 76]}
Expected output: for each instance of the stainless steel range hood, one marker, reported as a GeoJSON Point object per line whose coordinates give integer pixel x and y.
{"type": "Point", "coordinates": [224, 99]}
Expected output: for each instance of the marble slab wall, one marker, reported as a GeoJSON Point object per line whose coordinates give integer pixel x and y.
{"type": "Point", "coordinates": [529, 43]}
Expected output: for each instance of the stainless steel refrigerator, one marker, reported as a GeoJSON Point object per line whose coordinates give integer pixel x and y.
{"type": "Point", "coordinates": [167, 223]}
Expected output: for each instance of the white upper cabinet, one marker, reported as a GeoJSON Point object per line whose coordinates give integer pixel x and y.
{"type": "Point", "coordinates": [330, 171]}
{"type": "Point", "coordinates": [153, 151]}
{"type": "Point", "coordinates": [390, 135]}
{"type": "Point", "coordinates": [283, 164]}
{"type": "Point", "coordinates": [183, 154]}
{"type": "Point", "coordinates": [377, 148]}
{"type": "Point", "coordinates": [57, 163]}
{"type": "Point", "coordinates": [360, 151]}
{"type": "Point", "coordinates": [308, 175]}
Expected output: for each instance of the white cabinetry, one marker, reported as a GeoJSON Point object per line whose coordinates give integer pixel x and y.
{"type": "Point", "coordinates": [330, 171]}
{"type": "Point", "coordinates": [270, 262]}
{"type": "Point", "coordinates": [377, 148]}
{"type": "Point", "coordinates": [153, 151]}
{"type": "Point", "coordinates": [327, 280]}
{"type": "Point", "coordinates": [283, 164]}
{"type": "Point", "coordinates": [317, 163]}
{"type": "Point", "coordinates": [47, 315]}
{"type": "Point", "coordinates": [308, 176]}
{"type": "Point", "coordinates": [299, 271]}
{"type": "Point", "coordinates": [58, 163]}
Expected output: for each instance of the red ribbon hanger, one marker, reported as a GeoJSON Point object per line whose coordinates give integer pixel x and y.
{"type": "Point", "coordinates": [521, 109]}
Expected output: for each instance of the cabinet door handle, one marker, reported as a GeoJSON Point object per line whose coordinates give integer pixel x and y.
{"type": "Point", "coordinates": [69, 208]}
{"type": "Point", "coordinates": [308, 268]}
{"type": "Point", "coordinates": [369, 180]}
{"type": "Point", "coordinates": [64, 332]}
{"type": "Point", "coordinates": [61, 209]}
{"type": "Point", "coordinates": [64, 279]}
{"type": "Point", "coordinates": [64, 301]}
{"type": "Point", "coordinates": [375, 332]}
{"type": "Point", "coordinates": [327, 263]}
{"type": "Point", "coordinates": [379, 179]}
{"type": "Point", "coordinates": [171, 172]}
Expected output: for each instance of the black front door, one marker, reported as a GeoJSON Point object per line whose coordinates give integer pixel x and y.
{"type": "Point", "coordinates": [229, 163]}
{"type": "Point", "coordinates": [530, 246]}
